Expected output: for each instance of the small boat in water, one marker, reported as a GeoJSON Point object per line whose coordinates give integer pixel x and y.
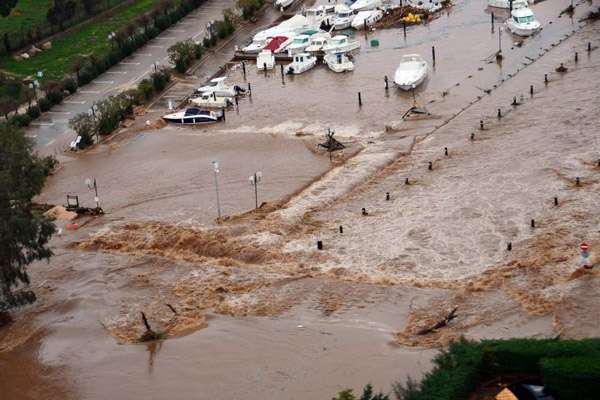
{"type": "Point", "coordinates": [340, 44]}
{"type": "Point", "coordinates": [220, 88]}
{"type": "Point", "coordinates": [506, 4]}
{"type": "Point", "coordinates": [368, 18]}
{"type": "Point", "coordinates": [265, 60]}
{"type": "Point", "coordinates": [365, 5]}
{"type": "Point", "coordinates": [212, 101]}
{"type": "Point", "coordinates": [298, 45]}
{"type": "Point", "coordinates": [256, 46]}
{"type": "Point", "coordinates": [343, 17]}
{"type": "Point", "coordinates": [317, 42]}
{"type": "Point", "coordinates": [522, 22]}
{"type": "Point", "coordinates": [302, 62]}
{"type": "Point", "coordinates": [338, 62]}
{"type": "Point", "coordinates": [411, 72]}
{"type": "Point", "coordinates": [194, 116]}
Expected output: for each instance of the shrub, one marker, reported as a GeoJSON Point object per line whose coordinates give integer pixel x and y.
{"type": "Point", "coordinates": [70, 85]}
{"type": "Point", "coordinates": [146, 89]}
{"type": "Point", "coordinates": [55, 97]}
{"type": "Point", "coordinates": [160, 79]}
{"type": "Point", "coordinates": [20, 120]}
{"type": "Point", "coordinates": [573, 378]}
{"type": "Point", "coordinates": [86, 75]}
{"type": "Point", "coordinates": [34, 112]}
{"type": "Point", "coordinates": [49, 164]}
{"type": "Point", "coordinates": [85, 126]}
{"type": "Point", "coordinates": [250, 7]}
{"type": "Point", "coordinates": [44, 104]}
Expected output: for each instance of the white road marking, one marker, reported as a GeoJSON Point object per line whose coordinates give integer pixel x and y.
{"type": "Point", "coordinates": [128, 63]}
{"type": "Point", "coordinates": [165, 38]}
{"type": "Point", "coordinates": [144, 54]}
{"type": "Point", "coordinates": [103, 82]}
{"type": "Point", "coordinates": [155, 46]}
{"type": "Point", "coordinates": [50, 143]}
{"type": "Point", "coordinates": [74, 102]}
{"type": "Point", "coordinates": [89, 92]}
{"type": "Point", "coordinates": [59, 112]}
{"type": "Point", "coordinates": [41, 124]}
{"type": "Point", "coordinates": [117, 72]}
{"type": "Point", "coordinates": [177, 30]}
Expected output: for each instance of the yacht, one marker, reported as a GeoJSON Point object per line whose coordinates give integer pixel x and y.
{"type": "Point", "coordinates": [302, 62]}
{"type": "Point", "coordinates": [317, 42]}
{"type": "Point", "coordinates": [211, 101]}
{"type": "Point", "coordinates": [220, 88]}
{"type": "Point", "coordinates": [506, 4]}
{"type": "Point", "coordinates": [411, 72]}
{"type": "Point", "coordinates": [340, 43]}
{"type": "Point", "coordinates": [265, 60]}
{"type": "Point", "coordinates": [338, 62]}
{"type": "Point", "coordinates": [343, 17]}
{"type": "Point", "coordinates": [522, 22]}
{"type": "Point", "coordinates": [298, 45]}
{"type": "Point", "coordinates": [365, 5]}
{"type": "Point", "coordinates": [369, 18]}
{"type": "Point", "coordinates": [194, 116]}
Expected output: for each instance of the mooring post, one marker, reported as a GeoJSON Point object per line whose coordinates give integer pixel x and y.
{"type": "Point", "coordinates": [319, 245]}
{"type": "Point", "coordinates": [546, 79]}
{"type": "Point", "coordinates": [244, 68]}
{"type": "Point", "coordinates": [364, 211]}
{"type": "Point", "coordinates": [492, 19]}
{"type": "Point", "coordinates": [341, 229]}
{"type": "Point", "coordinates": [249, 89]}
{"type": "Point", "coordinates": [499, 113]}
{"type": "Point", "coordinates": [556, 201]}
{"type": "Point", "coordinates": [481, 124]}
{"type": "Point", "coordinates": [385, 79]}
{"type": "Point", "coordinates": [406, 181]}
{"type": "Point", "coordinates": [282, 73]}
{"type": "Point", "coordinates": [430, 166]}
{"type": "Point", "coordinates": [446, 151]}
{"type": "Point", "coordinates": [509, 246]}
{"type": "Point", "coordinates": [577, 181]}
{"type": "Point", "coordinates": [404, 28]}
{"type": "Point", "coordinates": [472, 136]}
{"type": "Point", "coordinates": [533, 223]}
{"type": "Point", "coordinates": [589, 47]}
{"type": "Point", "coordinates": [514, 102]}
{"type": "Point", "coordinates": [265, 68]}
{"type": "Point", "coordinates": [531, 90]}
{"type": "Point", "coordinates": [359, 100]}
{"type": "Point", "coordinates": [237, 102]}
{"type": "Point", "coordinates": [145, 321]}
{"type": "Point", "coordinates": [387, 196]}
{"type": "Point", "coordinates": [433, 54]}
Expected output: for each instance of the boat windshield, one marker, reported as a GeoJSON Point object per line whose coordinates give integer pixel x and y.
{"type": "Point", "coordinates": [195, 111]}
{"type": "Point", "coordinates": [300, 40]}
{"type": "Point", "coordinates": [339, 41]}
{"type": "Point", "coordinates": [344, 14]}
{"type": "Point", "coordinates": [524, 20]}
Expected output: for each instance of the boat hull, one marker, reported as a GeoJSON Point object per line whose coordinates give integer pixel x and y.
{"type": "Point", "coordinates": [522, 30]}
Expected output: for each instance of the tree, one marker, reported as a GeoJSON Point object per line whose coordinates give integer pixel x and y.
{"type": "Point", "coordinates": [89, 6]}
{"type": "Point", "coordinates": [60, 12]}
{"type": "Point", "coordinates": [6, 6]}
{"type": "Point", "coordinates": [24, 235]}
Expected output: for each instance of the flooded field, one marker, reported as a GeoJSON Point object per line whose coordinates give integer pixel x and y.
{"type": "Point", "coordinates": [250, 307]}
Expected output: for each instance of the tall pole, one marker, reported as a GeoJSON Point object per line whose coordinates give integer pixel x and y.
{"type": "Point", "coordinates": [255, 191]}
{"type": "Point", "coordinates": [96, 198]}
{"type": "Point", "coordinates": [216, 171]}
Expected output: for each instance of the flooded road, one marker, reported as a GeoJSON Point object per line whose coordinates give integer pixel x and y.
{"type": "Point", "coordinates": [282, 319]}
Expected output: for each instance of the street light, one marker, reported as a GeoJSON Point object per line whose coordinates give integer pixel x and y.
{"type": "Point", "coordinates": [92, 185]}
{"type": "Point", "coordinates": [254, 179]}
{"type": "Point", "coordinates": [216, 170]}
{"type": "Point", "coordinates": [111, 37]}
{"type": "Point", "coordinates": [156, 64]}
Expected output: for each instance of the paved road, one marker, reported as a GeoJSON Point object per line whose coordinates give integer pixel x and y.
{"type": "Point", "coordinates": [51, 130]}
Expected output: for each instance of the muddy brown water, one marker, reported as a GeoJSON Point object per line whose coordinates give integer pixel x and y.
{"type": "Point", "coordinates": [167, 176]}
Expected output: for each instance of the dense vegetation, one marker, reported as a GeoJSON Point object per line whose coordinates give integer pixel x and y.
{"type": "Point", "coordinates": [23, 234]}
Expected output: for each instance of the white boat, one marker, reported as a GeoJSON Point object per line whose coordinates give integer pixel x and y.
{"type": "Point", "coordinates": [522, 22]}
{"type": "Point", "coordinates": [317, 42]}
{"type": "Point", "coordinates": [343, 17]}
{"type": "Point", "coordinates": [411, 72]}
{"type": "Point", "coordinates": [212, 101]}
{"type": "Point", "coordinates": [340, 44]}
{"type": "Point", "coordinates": [506, 3]}
{"type": "Point", "coordinates": [256, 46]}
{"type": "Point", "coordinates": [265, 60]}
{"type": "Point", "coordinates": [425, 5]}
{"type": "Point", "coordinates": [220, 88]}
{"type": "Point", "coordinates": [296, 25]}
{"type": "Point", "coordinates": [368, 17]}
{"type": "Point", "coordinates": [283, 3]}
{"type": "Point", "coordinates": [338, 62]}
{"type": "Point", "coordinates": [194, 116]}
{"type": "Point", "coordinates": [365, 5]}
{"type": "Point", "coordinates": [298, 45]}
{"type": "Point", "coordinates": [302, 62]}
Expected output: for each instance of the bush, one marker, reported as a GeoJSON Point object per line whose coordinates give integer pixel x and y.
{"type": "Point", "coordinates": [34, 112]}
{"type": "Point", "coordinates": [70, 85]}
{"type": "Point", "coordinates": [86, 75]}
{"type": "Point", "coordinates": [572, 378]}
{"type": "Point", "coordinates": [20, 120]}
{"type": "Point", "coordinates": [49, 164]}
{"type": "Point", "coordinates": [55, 97]}
{"type": "Point", "coordinates": [44, 104]}
{"type": "Point", "coordinates": [145, 89]}
{"type": "Point", "coordinates": [160, 79]}
{"type": "Point", "coordinates": [250, 7]}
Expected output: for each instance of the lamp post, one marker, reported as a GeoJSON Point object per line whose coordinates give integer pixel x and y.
{"type": "Point", "coordinates": [111, 37]}
{"type": "Point", "coordinates": [216, 170]}
{"type": "Point", "coordinates": [156, 64]}
{"type": "Point", "coordinates": [92, 185]}
{"type": "Point", "coordinates": [254, 179]}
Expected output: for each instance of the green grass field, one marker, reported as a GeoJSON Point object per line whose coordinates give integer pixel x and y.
{"type": "Point", "coordinates": [26, 14]}
{"type": "Point", "coordinates": [83, 40]}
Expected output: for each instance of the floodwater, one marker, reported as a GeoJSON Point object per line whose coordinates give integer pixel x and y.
{"type": "Point", "coordinates": [303, 323]}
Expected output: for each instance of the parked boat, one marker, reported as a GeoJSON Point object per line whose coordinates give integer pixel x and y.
{"type": "Point", "coordinates": [522, 22]}
{"type": "Point", "coordinates": [369, 18]}
{"type": "Point", "coordinates": [194, 116]}
{"type": "Point", "coordinates": [295, 25]}
{"type": "Point", "coordinates": [317, 42]}
{"type": "Point", "coordinates": [506, 4]}
{"type": "Point", "coordinates": [220, 88]}
{"type": "Point", "coordinates": [340, 44]}
{"type": "Point", "coordinates": [430, 6]}
{"type": "Point", "coordinates": [338, 62]}
{"type": "Point", "coordinates": [283, 3]}
{"type": "Point", "coordinates": [411, 72]}
{"type": "Point", "coordinates": [255, 46]}
{"type": "Point", "coordinates": [343, 17]}
{"type": "Point", "coordinates": [365, 5]}
{"type": "Point", "coordinates": [278, 43]}
{"type": "Point", "coordinates": [265, 60]}
{"type": "Point", "coordinates": [298, 45]}
{"type": "Point", "coordinates": [302, 62]}
{"type": "Point", "coordinates": [212, 101]}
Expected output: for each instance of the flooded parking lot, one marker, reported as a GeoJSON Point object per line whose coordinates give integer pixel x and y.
{"type": "Point", "coordinates": [260, 311]}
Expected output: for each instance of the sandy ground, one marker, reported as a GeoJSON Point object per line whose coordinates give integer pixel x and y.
{"type": "Point", "coordinates": [252, 309]}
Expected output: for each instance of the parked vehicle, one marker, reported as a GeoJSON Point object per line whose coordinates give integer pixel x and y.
{"type": "Point", "coordinates": [220, 88]}
{"type": "Point", "coordinates": [283, 3]}
{"type": "Point", "coordinates": [317, 42]}
{"type": "Point", "coordinates": [343, 17]}
{"type": "Point", "coordinates": [298, 45]}
{"type": "Point", "coordinates": [365, 5]}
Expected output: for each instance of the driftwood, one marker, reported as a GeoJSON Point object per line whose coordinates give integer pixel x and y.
{"type": "Point", "coordinates": [172, 308]}
{"type": "Point", "coordinates": [440, 324]}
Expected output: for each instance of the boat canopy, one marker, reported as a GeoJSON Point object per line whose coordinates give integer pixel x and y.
{"type": "Point", "coordinates": [195, 111]}
{"type": "Point", "coordinates": [276, 43]}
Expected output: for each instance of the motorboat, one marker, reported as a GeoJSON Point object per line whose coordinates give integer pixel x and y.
{"type": "Point", "coordinates": [411, 72]}
{"type": "Point", "coordinates": [283, 3]}
{"type": "Point", "coordinates": [212, 101]}
{"type": "Point", "coordinates": [338, 62]}
{"type": "Point", "coordinates": [317, 42]}
{"type": "Point", "coordinates": [340, 44]}
{"type": "Point", "coordinates": [430, 6]}
{"type": "Point", "coordinates": [522, 22]}
{"type": "Point", "coordinates": [316, 16]}
{"type": "Point", "coordinates": [194, 116]}
{"type": "Point", "coordinates": [265, 60]}
{"type": "Point", "coordinates": [255, 46]}
{"type": "Point", "coordinates": [220, 88]}
{"type": "Point", "coordinates": [295, 25]}
{"type": "Point", "coordinates": [298, 45]}
{"type": "Point", "coordinates": [365, 5]}
{"type": "Point", "coordinates": [506, 4]}
{"type": "Point", "coordinates": [302, 62]}
{"type": "Point", "coordinates": [368, 18]}
{"type": "Point", "coordinates": [278, 43]}
{"type": "Point", "coordinates": [343, 17]}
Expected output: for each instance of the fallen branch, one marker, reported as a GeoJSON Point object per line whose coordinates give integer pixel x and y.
{"type": "Point", "coordinates": [444, 322]}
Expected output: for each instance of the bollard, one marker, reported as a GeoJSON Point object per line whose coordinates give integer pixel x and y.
{"type": "Point", "coordinates": [224, 119]}
{"type": "Point", "coordinates": [406, 181]}
{"type": "Point", "coordinates": [364, 211]}
{"type": "Point", "coordinates": [556, 201]}
{"type": "Point", "coordinates": [365, 25]}
{"type": "Point", "coordinates": [589, 48]}
{"type": "Point", "coordinates": [546, 79]}
{"type": "Point", "coordinates": [282, 73]}
{"type": "Point", "coordinates": [244, 68]}
{"type": "Point", "coordinates": [492, 19]}
{"type": "Point", "coordinates": [576, 57]}
{"type": "Point", "coordinates": [319, 245]}
{"type": "Point", "coordinates": [481, 124]}
{"type": "Point", "coordinates": [514, 103]}
{"type": "Point", "coordinates": [446, 151]}
{"type": "Point", "coordinates": [215, 96]}
{"type": "Point", "coordinates": [341, 229]}
{"type": "Point", "coordinates": [265, 68]}
{"type": "Point", "coordinates": [531, 90]}
{"type": "Point", "coordinates": [359, 100]}
{"type": "Point", "coordinates": [499, 114]}
{"type": "Point", "coordinates": [387, 85]}
{"type": "Point", "coordinates": [509, 246]}
{"type": "Point", "coordinates": [577, 182]}
{"type": "Point", "coordinates": [430, 167]}
{"type": "Point", "coordinates": [472, 136]}
{"type": "Point", "coordinates": [404, 28]}
{"type": "Point", "coordinates": [387, 196]}
{"type": "Point", "coordinates": [249, 89]}
{"type": "Point", "coordinates": [433, 54]}
{"type": "Point", "coordinates": [533, 223]}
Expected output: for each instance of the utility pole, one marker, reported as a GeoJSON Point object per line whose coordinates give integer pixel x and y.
{"type": "Point", "coordinates": [254, 179]}
{"type": "Point", "coordinates": [216, 171]}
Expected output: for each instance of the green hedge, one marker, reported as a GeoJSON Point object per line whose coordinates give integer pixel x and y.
{"type": "Point", "coordinates": [572, 378]}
